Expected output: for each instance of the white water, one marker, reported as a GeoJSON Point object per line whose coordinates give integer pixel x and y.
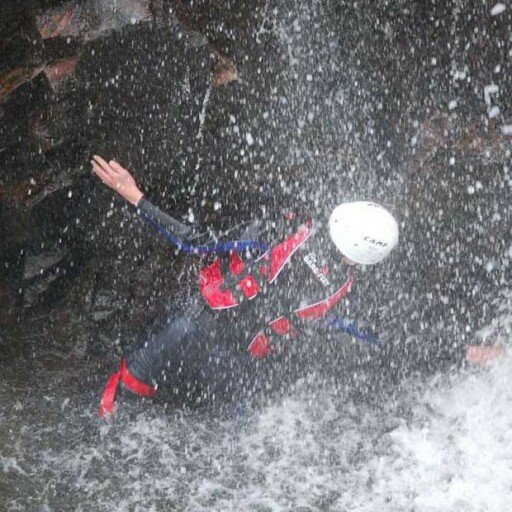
{"type": "Point", "coordinates": [441, 445]}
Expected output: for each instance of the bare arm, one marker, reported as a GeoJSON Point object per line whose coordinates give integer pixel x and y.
{"type": "Point", "coordinates": [117, 178]}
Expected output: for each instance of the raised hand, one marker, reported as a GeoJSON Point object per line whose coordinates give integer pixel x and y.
{"type": "Point", "coordinates": [117, 178]}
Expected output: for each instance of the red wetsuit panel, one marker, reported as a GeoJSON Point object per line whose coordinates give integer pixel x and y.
{"type": "Point", "coordinates": [320, 309]}
{"type": "Point", "coordinates": [284, 251]}
{"type": "Point", "coordinates": [236, 264]}
{"type": "Point", "coordinates": [281, 325]}
{"type": "Point", "coordinates": [249, 287]}
{"type": "Point", "coordinates": [260, 346]}
{"type": "Point", "coordinates": [210, 283]}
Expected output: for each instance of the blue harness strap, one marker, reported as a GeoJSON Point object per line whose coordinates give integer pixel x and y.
{"type": "Point", "coordinates": [341, 324]}
{"type": "Point", "coordinates": [221, 248]}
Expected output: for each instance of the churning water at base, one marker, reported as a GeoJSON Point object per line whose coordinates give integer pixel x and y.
{"type": "Point", "coordinates": [442, 444]}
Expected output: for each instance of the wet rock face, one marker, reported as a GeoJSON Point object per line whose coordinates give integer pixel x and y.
{"type": "Point", "coordinates": [91, 19]}
{"type": "Point", "coordinates": [61, 102]}
{"type": "Point", "coordinates": [219, 103]}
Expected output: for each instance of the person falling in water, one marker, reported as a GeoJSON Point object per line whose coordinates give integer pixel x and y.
{"type": "Point", "coordinates": [253, 302]}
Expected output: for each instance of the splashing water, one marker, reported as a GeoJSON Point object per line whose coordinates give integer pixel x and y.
{"type": "Point", "coordinates": [440, 444]}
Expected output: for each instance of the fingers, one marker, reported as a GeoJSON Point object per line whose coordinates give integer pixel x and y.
{"type": "Point", "coordinates": [107, 172]}
{"type": "Point", "coordinates": [119, 168]}
{"type": "Point", "coordinates": [104, 164]}
{"type": "Point", "coordinates": [102, 175]}
{"type": "Point", "coordinates": [117, 178]}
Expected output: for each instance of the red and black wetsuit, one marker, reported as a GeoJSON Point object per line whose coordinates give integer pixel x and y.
{"type": "Point", "coordinates": [253, 301]}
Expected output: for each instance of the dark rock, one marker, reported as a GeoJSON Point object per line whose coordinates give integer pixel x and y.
{"type": "Point", "coordinates": [39, 132]}
{"type": "Point", "coordinates": [58, 72]}
{"type": "Point", "coordinates": [91, 19]}
{"type": "Point", "coordinates": [225, 71]}
{"type": "Point", "coordinates": [59, 21]}
{"type": "Point", "coordinates": [470, 139]}
{"type": "Point", "coordinates": [33, 292]}
{"type": "Point", "coordinates": [31, 191]}
{"type": "Point", "coordinates": [13, 79]}
{"type": "Point", "coordinates": [38, 264]}
{"type": "Point", "coordinates": [106, 302]}
{"type": "Point", "coordinates": [61, 181]}
{"type": "Point", "coordinates": [8, 301]}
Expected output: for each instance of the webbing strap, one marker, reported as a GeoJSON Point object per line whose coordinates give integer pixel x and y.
{"type": "Point", "coordinates": [130, 382]}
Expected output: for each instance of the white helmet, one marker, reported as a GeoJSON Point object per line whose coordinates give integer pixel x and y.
{"type": "Point", "coordinates": [364, 232]}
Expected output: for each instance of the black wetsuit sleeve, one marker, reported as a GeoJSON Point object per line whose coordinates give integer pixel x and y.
{"type": "Point", "coordinates": [154, 215]}
{"type": "Point", "coordinates": [243, 236]}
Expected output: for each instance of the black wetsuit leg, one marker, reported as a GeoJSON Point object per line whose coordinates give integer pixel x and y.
{"type": "Point", "coordinates": [171, 351]}
{"type": "Point", "coordinates": [195, 354]}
